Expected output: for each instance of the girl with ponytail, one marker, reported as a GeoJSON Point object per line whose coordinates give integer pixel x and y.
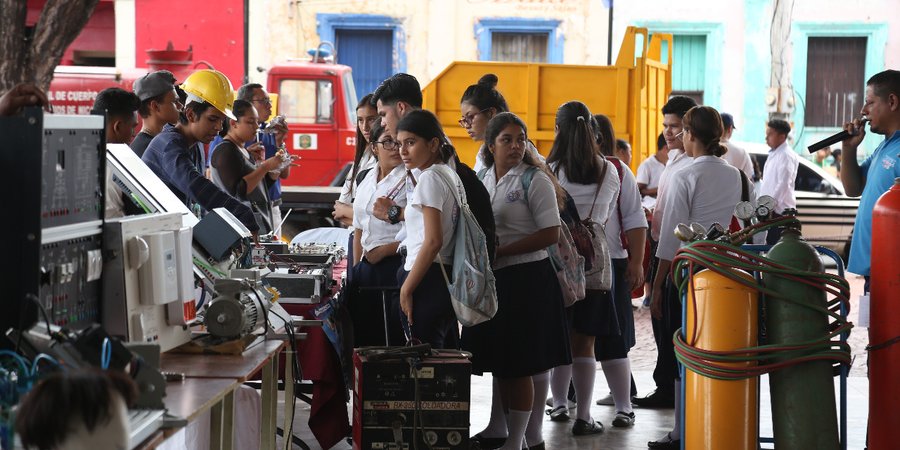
{"type": "Point", "coordinates": [587, 176]}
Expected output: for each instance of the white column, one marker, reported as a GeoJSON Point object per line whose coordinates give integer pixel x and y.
{"type": "Point", "coordinates": [126, 41]}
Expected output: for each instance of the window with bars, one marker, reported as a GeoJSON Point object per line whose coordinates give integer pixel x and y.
{"type": "Point", "coordinates": [689, 66]}
{"type": "Point", "coordinates": [835, 80]}
{"type": "Point", "coordinates": [519, 47]}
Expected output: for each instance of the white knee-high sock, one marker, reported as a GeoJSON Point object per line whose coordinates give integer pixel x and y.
{"type": "Point", "coordinates": [517, 421]}
{"type": "Point", "coordinates": [559, 385]}
{"type": "Point", "coordinates": [496, 426]}
{"type": "Point", "coordinates": [618, 377]}
{"type": "Point", "coordinates": [584, 369]}
{"type": "Point", "coordinates": [676, 433]}
{"type": "Point", "coordinates": [534, 433]}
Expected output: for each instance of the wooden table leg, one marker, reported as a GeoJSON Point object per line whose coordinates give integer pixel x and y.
{"type": "Point", "coordinates": [269, 403]}
{"type": "Point", "coordinates": [215, 425]}
{"type": "Point", "coordinates": [228, 421]}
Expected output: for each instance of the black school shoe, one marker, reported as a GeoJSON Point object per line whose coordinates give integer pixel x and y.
{"type": "Point", "coordinates": [657, 399]}
{"type": "Point", "coordinates": [479, 442]}
{"type": "Point", "coordinates": [666, 443]}
{"type": "Point", "coordinates": [584, 428]}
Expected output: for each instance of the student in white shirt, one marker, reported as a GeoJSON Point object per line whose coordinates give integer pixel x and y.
{"type": "Point", "coordinates": [479, 103]}
{"type": "Point", "coordinates": [375, 257]}
{"type": "Point", "coordinates": [576, 161]}
{"type": "Point", "coordinates": [528, 336]}
{"type": "Point", "coordinates": [665, 372]}
{"type": "Point", "coordinates": [779, 172]}
{"type": "Point", "coordinates": [366, 116]}
{"type": "Point", "coordinates": [705, 192]}
{"type": "Point", "coordinates": [650, 171]}
{"type": "Point", "coordinates": [431, 217]}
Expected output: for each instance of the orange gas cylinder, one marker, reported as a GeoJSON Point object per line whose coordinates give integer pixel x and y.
{"type": "Point", "coordinates": [721, 414]}
{"type": "Point", "coordinates": [884, 324]}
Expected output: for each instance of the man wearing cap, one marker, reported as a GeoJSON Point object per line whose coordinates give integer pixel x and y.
{"type": "Point", "coordinates": [159, 106]}
{"type": "Point", "coordinates": [736, 156]}
{"type": "Point", "coordinates": [176, 157]}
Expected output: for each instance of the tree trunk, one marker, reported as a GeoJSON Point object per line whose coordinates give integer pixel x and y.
{"type": "Point", "coordinates": [33, 60]}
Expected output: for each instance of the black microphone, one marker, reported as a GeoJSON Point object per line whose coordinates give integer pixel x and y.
{"type": "Point", "coordinates": [835, 138]}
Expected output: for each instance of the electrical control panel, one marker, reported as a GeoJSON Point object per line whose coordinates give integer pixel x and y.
{"type": "Point", "coordinates": [141, 299]}
{"type": "Point", "coordinates": [71, 266]}
{"type": "Point", "coordinates": [73, 170]}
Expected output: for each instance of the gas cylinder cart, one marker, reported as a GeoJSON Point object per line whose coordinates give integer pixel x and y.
{"type": "Point", "coordinates": [749, 310]}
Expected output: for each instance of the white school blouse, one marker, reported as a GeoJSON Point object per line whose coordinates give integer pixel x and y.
{"type": "Point", "coordinates": [430, 190]}
{"type": "Point", "coordinates": [377, 232]}
{"type": "Point", "coordinates": [514, 217]}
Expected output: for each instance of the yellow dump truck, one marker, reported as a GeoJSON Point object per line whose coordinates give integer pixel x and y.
{"type": "Point", "coordinates": [631, 93]}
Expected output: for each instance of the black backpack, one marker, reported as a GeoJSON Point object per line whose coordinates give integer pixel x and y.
{"type": "Point", "coordinates": [480, 204]}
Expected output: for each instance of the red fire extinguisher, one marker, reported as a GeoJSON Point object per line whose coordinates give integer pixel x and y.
{"type": "Point", "coordinates": [884, 324]}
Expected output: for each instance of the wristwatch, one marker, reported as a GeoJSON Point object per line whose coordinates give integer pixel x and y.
{"type": "Point", "coordinates": [394, 214]}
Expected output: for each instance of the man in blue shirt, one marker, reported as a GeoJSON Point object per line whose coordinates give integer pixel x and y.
{"type": "Point", "coordinates": [876, 174]}
{"type": "Point", "coordinates": [175, 156]}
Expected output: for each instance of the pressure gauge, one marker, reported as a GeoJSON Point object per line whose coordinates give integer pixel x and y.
{"type": "Point", "coordinates": [744, 210]}
{"type": "Point", "coordinates": [716, 230]}
{"type": "Point", "coordinates": [767, 201]}
{"type": "Point", "coordinates": [698, 230]}
{"type": "Point", "coordinates": [684, 232]}
{"type": "Point", "coordinates": [763, 211]}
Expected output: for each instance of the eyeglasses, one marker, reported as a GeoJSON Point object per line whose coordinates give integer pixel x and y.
{"type": "Point", "coordinates": [681, 133]}
{"type": "Point", "coordinates": [389, 144]}
{"type": "Point", "coordinates": [466, 121]}
{"type": "Point", "coordinates": [264, 100]}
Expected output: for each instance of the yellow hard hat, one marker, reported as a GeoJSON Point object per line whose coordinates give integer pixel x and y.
{"type": "Point", "coordinates": [212, 87]}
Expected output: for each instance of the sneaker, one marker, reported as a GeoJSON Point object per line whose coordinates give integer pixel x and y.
{"type": "Point", "coordinates": [559, 414]}
{"type": "Point", "coordinates": [569, 403]}
{"type": "Point", "coordinates": [623, 420]}
{"type": "Point", "coordinates": [584, 428]}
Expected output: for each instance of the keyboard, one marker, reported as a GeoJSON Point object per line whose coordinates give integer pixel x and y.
{"type": "Point", "coordinates": [142, 423]}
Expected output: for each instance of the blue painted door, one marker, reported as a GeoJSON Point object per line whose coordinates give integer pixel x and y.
{"type": "Point", "coordinates": [368, 53]}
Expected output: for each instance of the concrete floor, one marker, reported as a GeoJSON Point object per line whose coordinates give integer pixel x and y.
{"type": "Point", "coordinates": [651, 424]}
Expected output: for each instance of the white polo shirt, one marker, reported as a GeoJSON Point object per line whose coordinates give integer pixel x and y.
{"type": "Point", "coordinates": [704, 192]}
{"type": "Point", "coordinates": [629, 203]}
{"type": "Point", "coordinates": [376, 232]}
{"type": "Point", "coordinates": [678, 160]}
{"type": "Point", "coordinates": [515, 217]}
{"type": "Point", "coordinates": [430, 190]}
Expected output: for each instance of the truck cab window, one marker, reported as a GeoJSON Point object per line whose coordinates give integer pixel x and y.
{"type": "Point", "coordinates": [307, 101]}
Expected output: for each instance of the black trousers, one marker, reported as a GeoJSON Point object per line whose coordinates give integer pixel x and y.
{"type": "Point", "coordinates": [666, 370]}
{"type": "Point", "coordinates": [366, 307]}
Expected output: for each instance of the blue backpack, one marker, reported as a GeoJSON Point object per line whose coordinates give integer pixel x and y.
{"type": "Point", "coordinates": [473, 291]}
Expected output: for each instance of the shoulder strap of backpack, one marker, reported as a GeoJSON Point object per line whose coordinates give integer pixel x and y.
{"type": "Point", "coordinates": [482, 173]}
{"type": "Point", "coordinates": [745, 191]}
{"type": "Point", "coordinates": [527, 176]}
{"type": "Point", "coordinates": [618, 165]}
{"type": "Point", "coordinates": [362, 175]}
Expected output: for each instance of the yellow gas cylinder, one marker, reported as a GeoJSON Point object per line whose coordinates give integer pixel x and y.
{"type": "Point", "coordinates": [718, 413]}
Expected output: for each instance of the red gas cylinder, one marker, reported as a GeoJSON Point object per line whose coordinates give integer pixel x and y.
{"type": "Point", "coordinates": [884, 324]}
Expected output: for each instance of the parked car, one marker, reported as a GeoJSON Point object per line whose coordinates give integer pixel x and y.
{"type": "Point", "coordinates": [825, 212]}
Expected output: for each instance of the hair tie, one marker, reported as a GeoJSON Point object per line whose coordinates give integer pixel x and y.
{"type": "Point", "coordinates": [581, 118]}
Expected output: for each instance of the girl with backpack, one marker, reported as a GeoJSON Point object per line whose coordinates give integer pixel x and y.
{"type": "Point", "coordinates": [576, 161]}
{"type": "Point", "coordinates": [366, 117]}
{"type": "Point", "coordinates": [527, 337]}
{"type": "Point", "coordinates": [431, 217]}
{"type": "Point", "coordinates": [375, 257]}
